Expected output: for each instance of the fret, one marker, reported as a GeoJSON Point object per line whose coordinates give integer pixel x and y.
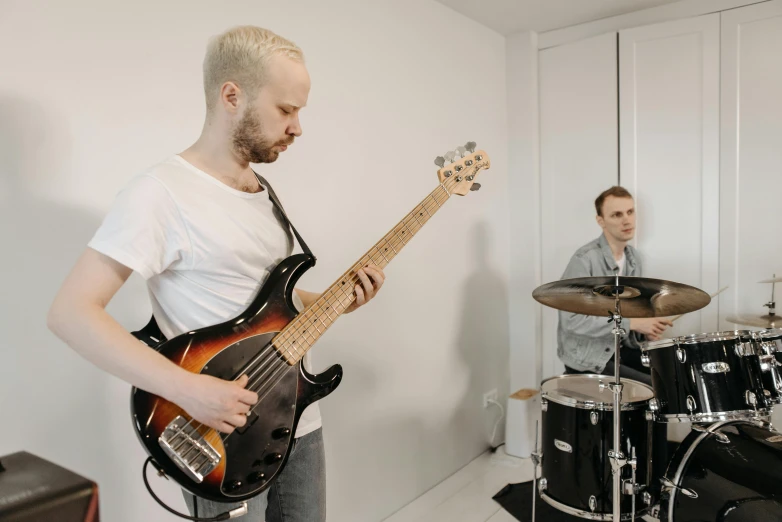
{"type": "Point", "coordinates": [408, 223]}
{"type": "Point", "coordinates": [381, 253]}
{"type": "Point", "coordinates": [392, 246]}
{"type": "Point", "coordinates": [420, 225]}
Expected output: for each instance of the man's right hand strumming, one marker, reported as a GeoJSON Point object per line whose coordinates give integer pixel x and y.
{"type": "Point", "coordinates": [652, 327]}
{"type": "Point", "coordinates": [219, 404]}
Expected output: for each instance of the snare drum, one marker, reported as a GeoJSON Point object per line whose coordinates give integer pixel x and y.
{"type": "Point", "coordinates": [577, 434]}
{"type": "Point", "coordinates": [770, 353]}
{"type": "Point", "coordinates": [706, 378]}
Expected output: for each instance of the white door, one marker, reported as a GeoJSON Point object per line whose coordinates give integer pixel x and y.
{"type": "Point", "coordinates": [669, 152]}
{"type": "Point", "coordinates": [751, 162]}
{"type": "Point", "coordinates": [578, 157]}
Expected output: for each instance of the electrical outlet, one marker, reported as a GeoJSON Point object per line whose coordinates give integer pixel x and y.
{"type": "Point", "coordinates": [489, 396]}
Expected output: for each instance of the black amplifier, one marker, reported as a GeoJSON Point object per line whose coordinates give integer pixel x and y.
{"type": "Point", "coordinates": [33, 489]}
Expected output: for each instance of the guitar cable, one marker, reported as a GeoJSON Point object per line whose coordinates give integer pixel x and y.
{"type": "Point", "coordinates": [234, 513]}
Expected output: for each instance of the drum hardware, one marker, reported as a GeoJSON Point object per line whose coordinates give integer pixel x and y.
{"type": "Point", "coordinates": [618, 460]}
{"type": "Point", "coordinates": [771, 305]}
{"type": "Point", "coordinates": [593, 503]}
{"type": "Point", "coordinates": [593, 418]}
{"type": "Point", "coordinates": [633, 487]}
{"type": "Point", "coordinates": [536, 457]}
{"type": "Point", "coordinates": [767, 362]}
{"type": "Point", "coordinates": [543, 405]}
{"type": "Point", "coordinates": [543, 485]}
{"type": "Point", "coordinates": [654, 405]}
{"type": "Point", "coordinates": [707, 429]}
{"type": "Point", "coordinates": [645, 359]}
{"type": "Point", "coordinates": [670, 485]}
{"type": "Point", "coordinates": [745, 349]}
{"type": "Point", "coordinates": [647, 498]}
{"type": "Point", "coordinates": [691, 403]}
{"type": "Point", "coordinates": [751, 399]}
{"type": "Point", "coordinates": [681, 355]}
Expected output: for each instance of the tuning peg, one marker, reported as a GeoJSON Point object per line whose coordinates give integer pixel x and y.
{"type": "Point", "coordinates": [470, 145]}
{"type": "Point", "coordinates": [475, 186]}
{"type": "Point", "coordinates": [449, 156]}
{"type": "Point", "coordinates": [439, 161]}
{"type": "Point", "coordinates": [462, 151]}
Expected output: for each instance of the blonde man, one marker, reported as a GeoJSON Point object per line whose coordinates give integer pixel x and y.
{"type": "Point", "coordinates": [202, 231]}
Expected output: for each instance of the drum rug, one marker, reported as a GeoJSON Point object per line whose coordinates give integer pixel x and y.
{"type": "Point", "coordinates": [516, 499]}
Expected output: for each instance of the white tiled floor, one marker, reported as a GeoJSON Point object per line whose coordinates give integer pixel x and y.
{"type": "Point", "coordinates": [466, 496]}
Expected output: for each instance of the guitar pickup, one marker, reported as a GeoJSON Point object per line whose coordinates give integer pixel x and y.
{"type": "Point", "coordinates": [251, 418]}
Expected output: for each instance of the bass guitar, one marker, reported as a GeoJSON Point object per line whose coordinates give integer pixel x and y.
{"type": "Point", "coordinates": [267, 343]}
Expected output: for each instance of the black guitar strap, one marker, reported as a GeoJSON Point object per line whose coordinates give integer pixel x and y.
{"type": "Point", "coordinates": [151, 334]}
{"type": "Point", "coordinates": [277, 204]}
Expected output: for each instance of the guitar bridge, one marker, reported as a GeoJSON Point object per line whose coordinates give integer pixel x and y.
{"type": "Point", "coordinates": [188, 449]}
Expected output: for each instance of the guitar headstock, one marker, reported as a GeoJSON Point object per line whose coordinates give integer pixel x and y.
{"type": "Point", "coordinates": [460, 167]}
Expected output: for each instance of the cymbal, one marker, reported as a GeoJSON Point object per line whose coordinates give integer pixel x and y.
{"type": "Point", "coordinates": [761, 321]}
{"type": "Point", "coordinates": [640, 296]}
{"type": "Point", "coordinates": [772, 280]}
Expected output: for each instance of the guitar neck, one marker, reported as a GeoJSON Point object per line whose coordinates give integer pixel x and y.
{"type": "Point", "coordinates": [302, 332]}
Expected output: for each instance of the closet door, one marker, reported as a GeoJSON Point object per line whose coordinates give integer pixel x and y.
{"type": "Point", "coordinates": [578, 157]}
{"type": "Point", "coordinates": [751, 158]}
{"type": "Point", "coordinates": [669, 152]}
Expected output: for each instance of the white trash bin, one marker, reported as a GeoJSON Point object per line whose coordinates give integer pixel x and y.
{"type": "Point", "coordinates": [523, 412]}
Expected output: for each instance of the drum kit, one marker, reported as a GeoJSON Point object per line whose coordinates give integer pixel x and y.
{"type": "Point", "coordinates": [605, 451]}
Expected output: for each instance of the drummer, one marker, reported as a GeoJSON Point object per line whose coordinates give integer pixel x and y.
{"type": "Point", "coordinates": [585, 344]}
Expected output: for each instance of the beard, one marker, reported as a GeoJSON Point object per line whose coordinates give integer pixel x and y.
{"type": "Point", "coordinates": [250, 144]}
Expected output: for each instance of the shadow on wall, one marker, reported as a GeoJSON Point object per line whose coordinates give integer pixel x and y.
{"type": "Point", "coordinates": [484, 341]}
{"type": "Point", "coordinates": [426, 447]}
{"type": "Point", "coordinates": [57, 402]}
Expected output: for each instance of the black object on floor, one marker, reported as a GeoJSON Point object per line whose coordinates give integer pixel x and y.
{"type": "Point", "coordinates": [516, 499]}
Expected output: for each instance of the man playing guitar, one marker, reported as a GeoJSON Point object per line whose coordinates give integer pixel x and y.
{"type": "Point", "coordinates": [201, 229]}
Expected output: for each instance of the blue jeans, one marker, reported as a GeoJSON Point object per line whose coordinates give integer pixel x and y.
{"type": "Point", "coordinates": [298, 494]}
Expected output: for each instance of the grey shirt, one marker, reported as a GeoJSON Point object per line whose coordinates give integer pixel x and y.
{"type": "Point", "coordinates": [584, 342]}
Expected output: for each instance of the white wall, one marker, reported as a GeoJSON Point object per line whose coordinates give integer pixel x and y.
{"type": "Point", "coordinates": [91, 92]}
{"type": "Point", "coordinates": [524, 190]}
{"type": "Point", "coordinates": [578, 159]}
{"type": "Point", "coordinates": [669, 133]}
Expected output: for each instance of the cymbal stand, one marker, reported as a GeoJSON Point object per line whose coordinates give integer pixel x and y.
{"type": "Point", "coordinates": [772, 305]}
{"type": "Point", "coordinates": [536, 458]}
{"type": "Point", "coordinates": [618, 459]}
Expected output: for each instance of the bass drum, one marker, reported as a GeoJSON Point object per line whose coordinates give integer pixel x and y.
{"type": "Point", "coordinates": [726, 472]}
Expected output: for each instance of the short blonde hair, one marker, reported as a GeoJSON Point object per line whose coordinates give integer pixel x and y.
{"type": "Point", "coordinates": [240, 55]}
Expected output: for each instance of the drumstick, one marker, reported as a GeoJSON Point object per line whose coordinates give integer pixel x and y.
{"type": "Point", "coordinates": [712, 296]}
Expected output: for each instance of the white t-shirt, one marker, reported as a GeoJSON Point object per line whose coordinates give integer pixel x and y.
{"type": "Point", "coordinates": [621, 264]}
{"type": "Point", "coordinates": [203, 247]}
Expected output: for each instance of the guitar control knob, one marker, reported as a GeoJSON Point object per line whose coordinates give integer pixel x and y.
{"type": "Point", "coordinates": [281, 433]}
{"type": "Point", "coordinates": [234, 485]}
{"type": "Point", "coordinates": [256, 477]}
{"type": "Point", "coordinates": [272, 458]}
